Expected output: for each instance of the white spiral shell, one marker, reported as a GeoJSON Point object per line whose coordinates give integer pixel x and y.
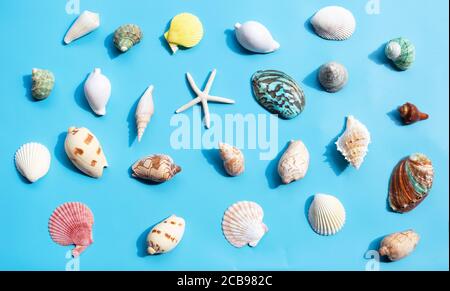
{"type": "Point", "coordinates": [33, 161]}
{"type": "Point", "coordinates": [243, 224]}
{"type": "Point", "coordinates": [326, 214]}
{"type": "Point", "coordinates": [334, 23]}
{"type": "Point", "coordinates": [87, 22]}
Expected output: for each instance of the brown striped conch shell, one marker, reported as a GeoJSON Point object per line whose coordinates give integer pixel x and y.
{"type": "Point", "coordinates": [233, 159]}
{"type": "Point", "coordinates": [399, 245]}
{"type": "Point", "coordinates": [165, 236]}
{"type": "Point", "coordinates": [294, 163]}
{"type": "Point", "coordinates": [85, 151]}
{"type": "Point", "coordinates": [155, 168]}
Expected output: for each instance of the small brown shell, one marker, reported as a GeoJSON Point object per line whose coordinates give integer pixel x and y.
{"type": "Point", "coordinates": [398, 245]}
{"type": "Point", "coordinates": [155, 168]}
{"type": "Point", "coordinates": [233, 159]}
{"type": "Point", "coordinates": [410, 113]}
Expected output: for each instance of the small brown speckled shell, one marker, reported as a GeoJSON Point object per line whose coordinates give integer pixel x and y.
{"type": "Point", "coordinates": [155, 168]}
{"type": "Point", "coordinates": [233, 159]}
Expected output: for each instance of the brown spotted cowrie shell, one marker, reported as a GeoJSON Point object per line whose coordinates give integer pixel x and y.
{"type": "Point", "coordinates": [155, 168]}
{"type": "Point", "coordinates": [166, 235]}
{"type": "Point", "coordinates": [85, 151]}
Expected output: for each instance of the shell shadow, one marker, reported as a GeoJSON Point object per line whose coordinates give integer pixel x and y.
{"type": "Point", "coordinates": [27, 82]}
{"type": "Point", "coordinates": [165, 44]}
{"type": "Point", "coordinates": [308, 203]}
{"type": "Point", "coordinates": [212, 156]}
{"type": "Point", "coordinates": [22, 178]}
{"type": "Point", "coordinates": [312, 80]}
{"type": "Point", "coordinates": [80, 97]}
{"type": "Point", "coordinates": [308, 26]}
{"type": "Point", "coordinates": [233, 44]}
{"type": "Point", "coordinates": [131, 119]}
{"type": "Point", "coordinates": [141, 242]}
{"type": "Point", "coordinates": [113, 52]}
{"type": "Point", "coordinates": [333, 157]}
{"type": "Point", "coordinates": [378, 56]}
{"type": "Point", "coordinates": [60, 153]}
{"type": "Point", "coordinates": [272, 176]}
{"type": "Point", "coordinates": [394, 115]}
{"type": "Point", "coordinates": [374, 246]}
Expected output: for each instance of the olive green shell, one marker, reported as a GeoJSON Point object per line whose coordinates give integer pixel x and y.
{"type": "Point", "coordinates": [126, 36]}
{"type": "Point", "coordinates": [43, 83]}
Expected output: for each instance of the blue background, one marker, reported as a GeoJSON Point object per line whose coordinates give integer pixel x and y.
{"type": "Point", "coordinates": [125, 208]}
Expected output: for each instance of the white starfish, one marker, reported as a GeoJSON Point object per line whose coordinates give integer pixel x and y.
{"type": "Point", "coordinates": [204, 97]}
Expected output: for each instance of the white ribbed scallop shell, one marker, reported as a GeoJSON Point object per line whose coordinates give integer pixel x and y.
{"type": "Point", "coordinates": [33, 161]}
{"type": "Point", "coordinates": [243, 224]}
{"type": "Point", "coordinates": [326, 214]}
{"type": "Point", "coordinates": [354, 142]}
{"type": "Point", "coordinates": [334, 23]}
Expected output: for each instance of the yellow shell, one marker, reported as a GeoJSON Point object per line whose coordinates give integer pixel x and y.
{"type": "Point", "coordinates": [186, 30]}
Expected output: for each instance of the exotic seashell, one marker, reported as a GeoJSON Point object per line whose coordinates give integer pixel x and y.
{"type": "Point", "coordinates": [411, 181]}
{"type": "Point", "coordinates": [333, 76]}
{"type": "Point", "coordinates": [334, 23]}
{"type": "Point", "coordinates": [401, 52]}
{"type": "Point", "coordinates": [144, 112]}
{"type": "Point", "coordinates": [399, 245]}
{"type": "Point", "coordinates": [71, 224]}
{"type": "Point", "coordinates": [294, 163]}
{"type": "Point", "coordinates": [233, 159]}
{"type": "Point", "coordinates": [155, 168]}
{"type": "Point", "coordinates": [33, 161]}
{"type": "Point", "coordinates": [255, 37]}
{"type": "Point", "coordinates": [86, 23]}
{"type": "Point", "coordinates": [278, 93]}
{"type": "Point", "coordinates": [85, 151]}
{"type": "Point", "coordinates": [43, 82]}
{"type": "Point", "coordinates": [186, 30]}
{"type": "Point", "coordinates": [243, 224]}
{"type": "Point", "coordinates": [97, 89]}
{"type": "Point", "coordinates": [410, 113]}
{"type": "Point", "coordinates": [326, 214]}
{"type": "Point", "coordinates": [165, 236]}
{"type": "Point", "coordinates": [354, 142]}
{"type": "Point", "coordinates": [127, 36]}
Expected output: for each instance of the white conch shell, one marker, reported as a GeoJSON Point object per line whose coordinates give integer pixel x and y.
{"type": "Point", "coordinates": [326, 214]}
{"type": "Point", "coordinates": [144, 111]}
{"type": "Point", "coordinates": [97, 89]}
{"type": "Point", "coordinates": [255, 37]}
{"type": "Point", "coordinates": [87, 22]}
{"type": "Point", "coordinates": [166, 235]}
{"type": "Point", "coordinates": [294, 163]}
{"type": "Point", "coordinates": [85, 151]}
{"type": "Point", "coordinates": [33, 161]}
{"type": "Point", "coordinates": [354, 142]}
{"type": "Point", "coordinates": [243, 224]}
{"type": "Point", "coordinates": [334, 23]}
{"type": "Point", "coordinates": [233, 159]}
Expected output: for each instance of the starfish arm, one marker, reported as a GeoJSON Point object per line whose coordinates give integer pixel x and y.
{"type": "Point", "coordinates": [206, 113]}
{"type": "Point", "coordinates": [193, 85]}
{"type": "Point", "coordinates": [211, 79]}
{"type": "Point", "coordinates": [220, 100]}
{"type": "Point", "coordinates": [189, 105]}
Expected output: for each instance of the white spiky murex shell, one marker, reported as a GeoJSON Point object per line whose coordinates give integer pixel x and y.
{"type": "Point", "coordinates": [144, 111]}
{"type": "Point", "coordinates": [33, 161]}
{"type": "Point", "coordinates": [334, 23]}
{"type": "Point", "coordinates": [326, 214]}
{"type": "Point", "coordinates": [71, 224]}
{"type": "Point", "coordinates": [243, 224]}
{"type": "Point", "coordinates": [354, 142]}
{"type": "Point", "coordinates": [294, 163]}
{"type": "Point", "coordinates": [233, 159]}
{"type": "Point", "coordinates": [86, 23]}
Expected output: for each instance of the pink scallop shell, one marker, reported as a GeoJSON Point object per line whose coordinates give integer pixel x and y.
{"type": "Point", "coordinates": [71, 224]}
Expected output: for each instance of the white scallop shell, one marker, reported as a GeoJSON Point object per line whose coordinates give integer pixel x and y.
{"type": "Point", "coordinates": [334, 23]}
{"type": "Point", "coordinates": [255, 37]}
{"type": "Point", "coordinates": [354, 142]}
{"type": "Point", "coordinates": [165, 236]}
{"type": "Point", "coordinates": [33, 161]}
{"type": "Point", "coordinates": [243, 224]}
{"type": "Point", "coordinates": [87, 22]}
{"type": "Point", "coordinates": [97, 89]}
{"type": "Point", "coordinates": [326, 214]}
{"type": "Point", "coordinates": [144, 111]}
{"type": "Point", "coordinates": [294, 163]}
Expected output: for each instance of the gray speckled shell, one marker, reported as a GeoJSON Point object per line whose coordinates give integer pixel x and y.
{"type": "Point", "coordinates": [333, 76]}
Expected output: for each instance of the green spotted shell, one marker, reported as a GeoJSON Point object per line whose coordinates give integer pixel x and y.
{"type": "Point", "coordinates": [278, 93]}
{"type": "Point", "coordinates": [402, 53]}
{"type": "Point", "coordinates": [126, 36]}
{"type": "Point", "coordinates": [43, 82]}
